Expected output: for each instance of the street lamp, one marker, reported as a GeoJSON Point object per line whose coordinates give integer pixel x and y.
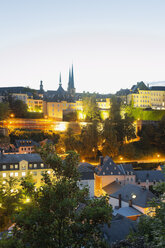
{"type": "Point", "coordinates": [121, 158]}
{"type": "Point", "coordinates": [12, 115]}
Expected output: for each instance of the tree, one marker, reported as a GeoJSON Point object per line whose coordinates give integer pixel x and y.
{"type": "Point", "coordinates": [4, 110]}
{"type": "Point", "coordinates": [89, 139]}
{"type": "Point", "coordinates": [10, 200]}
{"type": "Point", "coordinates": [19, 108]}
{"type": "Point", "coordinates": [90, 108]}
{"type": "Point", "coordinates": [61, 215]}
{"type": "Point", "coordinates": [110, 146]}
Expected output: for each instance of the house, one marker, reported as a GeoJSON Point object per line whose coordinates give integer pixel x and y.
{"type": "Point", "coordinates": [108, 172]}
{"type": "Point", "coordinates": [86, 171]}
{"type": "Point", "coordinates": [19, 165]}
{"type": "Point", "coordinates": [132, 196]}
{"type": "Point", "coordinates": [148, 178]}
{"type": "Point", "coordinates": [25, 146]}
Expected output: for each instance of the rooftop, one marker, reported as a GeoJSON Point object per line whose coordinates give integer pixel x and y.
{"type": "Point", "coordinates": [138, 195]}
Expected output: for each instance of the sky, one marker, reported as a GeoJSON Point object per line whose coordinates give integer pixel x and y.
{"type": "Point", "coordinates": [112, 43]}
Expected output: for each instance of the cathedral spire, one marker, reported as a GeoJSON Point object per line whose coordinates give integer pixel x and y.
{"type": "Point", "coordinates": [41, 86]}
{"type": "Point", "coordinates": [72, 78]}
{"type": "Point", "coordinates": [60, 79]}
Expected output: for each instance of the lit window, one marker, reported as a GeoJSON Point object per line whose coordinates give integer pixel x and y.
{"type": "Point", "coordinates": [16, 174]}
{"type": "Point", "coordinates": [4, 174]}
{"type": "Point", "coordinates": [16, 166]}
{"type": "Point", "coordinates": [23, 174]}
{"type": "Point", "coordinates": [35, 165]}
{"type": "Point", "coordinates": [4, 167]}
{"type": "Point", "coordinates": [42, 165]}
{"type": "Point", "coordinates": [11, 174]}
{"type": "Point", "coordinates": [30, 165]}
{"type": "Point", "coordinates": [11, 166]}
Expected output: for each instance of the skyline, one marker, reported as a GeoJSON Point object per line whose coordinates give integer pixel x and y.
{"type": "Point", "coordinates": [112, 44]}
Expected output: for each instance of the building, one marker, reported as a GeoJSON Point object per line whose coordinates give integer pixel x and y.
{"type": "Point", "coordinates": [87, 177]}
{"type": "Point", "coordinates": [132, 196]}
{"type": "Point", "coordinates": [149, 178]}
{"type": "Point", "coordinates": [108, 172]}
{"type": "Point", "coordinates": [144, 97]}
{"type": "Point", "coordinates": [110, 177]}
{"type": "Point", "coordinates": [19, 165]}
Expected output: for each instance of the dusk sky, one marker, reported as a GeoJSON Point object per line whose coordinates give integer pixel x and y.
{"type": "Point", "coordinates": [112, 44]}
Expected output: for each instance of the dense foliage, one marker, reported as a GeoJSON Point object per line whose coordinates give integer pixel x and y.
{"type": "Point", "coordinates": [58, 214]}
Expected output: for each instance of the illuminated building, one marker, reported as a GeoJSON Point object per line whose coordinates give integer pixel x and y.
{"type": "Point", "coordinates": [145, 97]}
{"type": "Point", "coordinates": [19, 165]}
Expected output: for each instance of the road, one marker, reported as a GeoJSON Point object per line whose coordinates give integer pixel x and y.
{"type": "Point", "coordinates": [41, 124]}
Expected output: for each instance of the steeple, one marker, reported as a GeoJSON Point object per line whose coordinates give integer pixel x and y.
{"type": "Point", "coordinates": [60, 80]}
{"type": "Point", "coordinates": [69, 81]}
{"type": "Point", "coordinates": [72, 78]}
{"type": "Point", "coordinates": [41, 86]}
{"type": "Point", "coordinates": [71, 88]}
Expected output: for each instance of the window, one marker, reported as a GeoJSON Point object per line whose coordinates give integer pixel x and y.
{"type": "Point", "coordinates": [4, 174]}
{"type": "Point", "coordinates": [111, 173]}
{"type": "Point", "coordinates": [30, 165]}
{"type": "Point", "coordinates": [11, 174]}
{"type": "Point", "coordinates": [11, 166]}
{"type": "Point", "coordinates": [42, 165]}
{"type": "Point", "coordinates": [127, 178]}
{"type": "Point", "coordinates": [16, 174]}
{"type": "Point", "coordinates": [35, 165]}
{"type": "Point", "coordinates": [23, 174]}
{"type": "Point", "coordinates": [16, 166]}
{"type": "Point", "coordinates": [4, 167]}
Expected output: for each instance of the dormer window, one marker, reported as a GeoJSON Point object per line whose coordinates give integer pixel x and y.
{"type": "Point", "coordinates": [111, 173]}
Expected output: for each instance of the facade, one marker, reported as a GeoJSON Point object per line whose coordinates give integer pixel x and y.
{"type": "Point", "coordinates": [87, 177]}
{"type": "Point", "coordinates": [108, 172]}
{"type": "Point", "coordinates": [110, 177]}
{"type": "Point", "coordinates": [153, 97]}
{"type": "Point", "coordinates": [19, 165]}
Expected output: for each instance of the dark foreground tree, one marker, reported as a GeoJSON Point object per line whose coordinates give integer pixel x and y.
{"type": "Point", "coordinates": [59, 214]}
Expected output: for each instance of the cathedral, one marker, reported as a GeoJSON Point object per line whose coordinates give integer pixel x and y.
{"type": "Point", "coordinates": [60, 94]}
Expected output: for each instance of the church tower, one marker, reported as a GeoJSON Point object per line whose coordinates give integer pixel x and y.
{"type": "Point", "coordinates": [41, 86]}
{"type": "Point", "coordinates": [71, 88]}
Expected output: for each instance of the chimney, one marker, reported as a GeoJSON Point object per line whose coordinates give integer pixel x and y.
{"type": "Point", "coordinates": [101, 158]}
{"type": "Point", "coordinates": [130, 203]}
{"type": "Point", "coordinates": [119, 200]}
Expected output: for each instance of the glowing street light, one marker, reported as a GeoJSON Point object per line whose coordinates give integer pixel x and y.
{"type": "Point", "coordinates": [27, 200]}
{"type": "Point", "coordinates": [12, 115]}
{"type": "Point", "coordinates": [121, 158]}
